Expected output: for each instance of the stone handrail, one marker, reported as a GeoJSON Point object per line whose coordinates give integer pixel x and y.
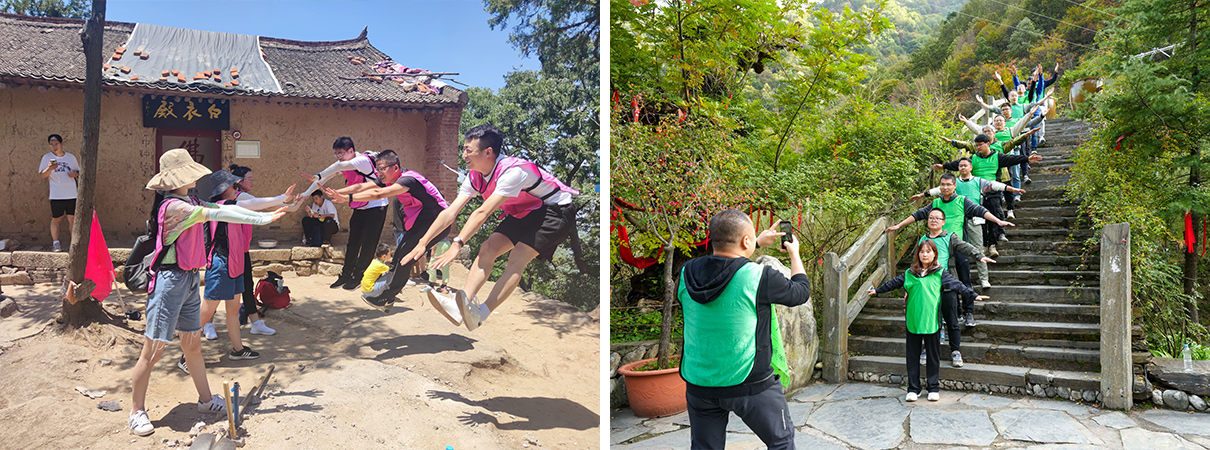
{"type": "Point", "coordinates": [1117, 379]}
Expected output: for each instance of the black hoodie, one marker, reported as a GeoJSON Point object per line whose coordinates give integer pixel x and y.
{"type": "Point", "coordinates": [707, 277]}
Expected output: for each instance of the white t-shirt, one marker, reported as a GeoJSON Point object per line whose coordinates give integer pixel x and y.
{"type": "Point", "coordinates": [62, 185]}
{"type": "Point", "coordinates": [325, 209]}
{"type": "Point", "coordinates": [513, 180]}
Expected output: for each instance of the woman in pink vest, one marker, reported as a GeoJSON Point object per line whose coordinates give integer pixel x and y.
{"type": "Point", "coordinates": [540, 212]}
{"type": "Point", "coordinates": [417, 205]}
{"type": "Point", "coordinates": [173, 303]}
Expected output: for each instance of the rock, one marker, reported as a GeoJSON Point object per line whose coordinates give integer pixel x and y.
{"type": "Point", "coordinates": [617, 393]}
{"type": "Point", "coordinates": [197, 429]}
{"type": "Point", "coordinates": [1063, 391]}
{"type": "Point", "coordinates": [8, 307]}
{"type": "Point", "coordinates": [634, 354]}
{"type": "Point", "coordinates": [6, 258]}
{"type": "Point", "coordinates": [529, 438]}
{"type": "Point", "coordinates": [652, 352]}
{"type": "Point", "coordinates": [896, 379]}
{"type": "Point", "coordinates": [18, 278]}
{"type": "Point", "coordinates": [1051, 392]}
{"type": "Point", "coordinates": [615, 360]}
{"type": "Point", "coordinates": [334, 253]}
{"type": "Point", "coordinates": [90, 393]}
{"type": "Point", "coordinates": [1038, 390]}
{"type": "Point", "coordinates": [304, 269]}
{"type": "Point", "coordinates": [1157, 398]}
{"type": "Point", "coordinates": [329, 269]}
{"type": "Point", "coordinates": [109, 405]}
{"type": "Point", "coordinates": [1170, 373]}
{"type": "Point", "coordinates": [1197, 403]}
{"type": "Point", "coordinates": [819, 365]}
{"type": "Point", "coordinates": [53, 260]}
{"type": "Point", "coordinates": [269, 254]}
{"type": "Point", "coordinates": [105, 361]}
{"type": "Point", "coordinates": [119, 255]}
{"type": "Point", "coordinates": [1174, 399]}
{"type": "Point", "coordinates": [300, 253]}
{"type": "Point", "coordinates": [1090, 396]}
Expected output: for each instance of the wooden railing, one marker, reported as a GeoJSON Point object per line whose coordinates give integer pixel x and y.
{"type": "Point", "coordinates": [839, 276]}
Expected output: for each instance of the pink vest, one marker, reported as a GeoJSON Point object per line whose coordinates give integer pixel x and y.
{"type": "Point", "coordinates": [239, 240]}
{"type": "Point", "coordinates": [411, 206]}
{"type": "Point", "coordinates": [190, 244]}
{"type": "Point", "coordinates": [354, 177]}
{"type": "Point", "coordinates": [524, 202]}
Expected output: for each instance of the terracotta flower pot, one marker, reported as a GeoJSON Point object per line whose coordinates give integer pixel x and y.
{"type": "Point", "coordinates": [654, 393]}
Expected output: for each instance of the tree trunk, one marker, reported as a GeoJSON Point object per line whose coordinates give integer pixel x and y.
{"type": "Point", "coordinates": [669, 302]}
{"type": "Point", "coordinates": [87, 310]}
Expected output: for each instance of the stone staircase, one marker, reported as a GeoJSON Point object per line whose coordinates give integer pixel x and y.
{"type": "Point", "coordinates": [1039, 333]}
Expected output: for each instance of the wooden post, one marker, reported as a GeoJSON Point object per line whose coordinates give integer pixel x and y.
{"type": "Point", "coordinates": [1117, 379]}
{"type": "Point", "coordinates": [835, 349]}
{"type": "Point", "coordinates": [230, 413]}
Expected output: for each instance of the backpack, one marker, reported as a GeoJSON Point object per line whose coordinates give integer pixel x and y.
{"type": "Point", "coordinates": [272, 293]}
{"type": "Point", "coordinates": [136, 271]}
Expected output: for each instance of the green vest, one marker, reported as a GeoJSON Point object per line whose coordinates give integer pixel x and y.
{"type": "Point", "coordinates": [971, 189]}
{"type": "Point", "coordinates": [720, 345]}
{"type": "Point", "coordinates": [985, 168]}
{"type": "Point", "coordinates": [943, 246]}
{"type": "Point", "coordinates": [955, 213]}
{"type": "Point", "coordinates": [1002, 137]}
{"type": "Point", "coordinates": [1018, 110]}
{"type": "Point", "coordinates": [924, 296]}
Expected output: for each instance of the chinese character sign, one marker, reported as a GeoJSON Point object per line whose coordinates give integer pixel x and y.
{"type": "Point", "coordinates": [167, 111]}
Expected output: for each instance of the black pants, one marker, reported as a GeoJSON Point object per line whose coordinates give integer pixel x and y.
{"type": "Point", "coordinates": [932, 345]}
{"type": "Point", "coordinates": [249, 297]}
{"type": "Point", "coordinates": [409, 242]}
{"type": "Point", "coordinates": [962, 264]}
{"type": "Point", "coordinates": [991, 230]}
{"type": "Point", "coordinates": [949, 310]}
{"type": "Point", "coordinates": [765, 413]}
{"type": "Point", "coordinates": [365, 229]}
{"type": "Point", "coordinates": [317, 231]}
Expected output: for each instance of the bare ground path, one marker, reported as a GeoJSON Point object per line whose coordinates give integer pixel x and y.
{"type": "Point", "coordinates": [347, 376]}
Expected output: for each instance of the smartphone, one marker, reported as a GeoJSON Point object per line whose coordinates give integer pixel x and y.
{"type": "Point", "coordinates": [785, 227]}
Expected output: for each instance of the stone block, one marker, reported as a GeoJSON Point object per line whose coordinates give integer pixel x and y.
{"type": "Point", "coordinates": [634, 354]}
{"type": "Point", "coordinates": [6, 258]}
{"type": "Point", "coordinates": [41, 259]}
{"type": "Point", "coordinates": [270, 254]}
{"type": "Point", "coordinates": [615, 360]}
{"type": "Point", "coordinates": [119, 255]}
{"type": "Point", "coordinates": [8, 307]}
{"type": "Point", "coordinates": [1170, 373]}
{"type": "Point", "coordinates": [329, 269]}
{"type": "Point", "coordinates": [1197, 403]}
{"type": "Point", "coordinates": [1174, 399]}
{"type": "Point", "coordinates": [19, 278]}
{"type": "Point", "coordinates": [617, 393]}
{"type": "Point", "coordinates": [302, 253]}
{"type": "Point", "coordinates": [334, 252]}
{"type": "Point", "coordinates": [304, 270]}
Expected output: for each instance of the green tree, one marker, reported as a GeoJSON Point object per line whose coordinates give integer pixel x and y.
{"type": "Point", "coordinates": [77, 9]}
{"type": "Point", "coordinates": [1023, 38]}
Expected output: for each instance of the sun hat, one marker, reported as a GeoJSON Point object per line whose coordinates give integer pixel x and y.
{"type": "Point", "coordinates": [177, 169]}
{"type": "Point", "coordinates": [220, 181]}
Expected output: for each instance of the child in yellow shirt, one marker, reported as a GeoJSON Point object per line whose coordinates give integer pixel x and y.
{"type": "Point", "coordinates": [376, 277]}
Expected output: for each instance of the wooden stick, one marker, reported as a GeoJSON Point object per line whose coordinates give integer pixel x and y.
{"type": "Point", "coordinates": [230, 414]}
{"type": "Point", "coordinates": [254, 391]}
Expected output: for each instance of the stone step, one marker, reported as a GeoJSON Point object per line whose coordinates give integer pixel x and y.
{"type": "Point", "coordinates": [983, 373]}
{"type": "Point", "coordinates": [999, 310]}
{"type": "Point", "coordinates": [1049, 234]}
{"type": "Point", "coordinates": [1046, 221]}
{"type": "Point", "coordinates": [1046, 294]}
{"type": "Point", "coordinates": [988, 353]}
{"type": "Point", "coordinates": [1049, 211]}
{"type": "Point", "coordinates": [1052, 277]}
{"type": "Point", "coordinates": [1046, 262]}
{"type": "Point", "coordinates": [997, 331]}
{"type": "Point", "coordinates": [1016, 246]}
{"type": "Point", "coordinates": [1033, 201]}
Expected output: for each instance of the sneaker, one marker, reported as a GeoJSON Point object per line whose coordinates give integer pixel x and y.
{"type": "Point", "coordinates": [140, 424]}
{"type": "Point", "coordinates": [992, 252]}
{"type": "Point", "coordinates": [208, 332]}
{"type": "Point", "coordinates": [180, 364]}
{"type": "Point", "coordinates": [411, 282]}
{"type": "Point", "coordinates": [970, 319]}
{"type": "Point", "coordinates": [986, 284]}
{"type": "Point", "coordinates": [1003, 238]}
{"type": "Point", "coordinates": [934, 396]}
{"type": "Point", "coordinates": [1011, 215]}
{"type": "Point", "coordinates": [54, 247]}
{"type": "Point", "coordinates": [923, 359]}
{"type": "Point", "coordinates": [956, 359]}
{"type": "Point", "coordinates": [911, 397]}
{"type": "Point", "coordinates": [379, 303]}
{"type": "Point", "coordinates": [340, 281]}
{"type": "Point", "coordinates": [246, 353]}
{"type": "Point", "coordinates": [351, 285]}
{"type": "Point", "coordinates": [216, 405]}
{"type": "Point", "coordinates": [1028, 180]}
{"type": "Point", "coordinates": [469, 309]}
{"type": "Point", "coordinates": [260, 328]}
{"type": "Point", "coordinates": [448, 306]}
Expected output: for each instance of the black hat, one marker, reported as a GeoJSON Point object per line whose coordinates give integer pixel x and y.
{"type": "Point", "coordinates": [982, 138]}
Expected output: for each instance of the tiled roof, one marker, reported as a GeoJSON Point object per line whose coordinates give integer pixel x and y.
{"type": "Point", "coordinates": [50, 49]}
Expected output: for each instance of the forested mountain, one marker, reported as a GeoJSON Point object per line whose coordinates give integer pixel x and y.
{"type": "Point", "coordinates": [914, 22]}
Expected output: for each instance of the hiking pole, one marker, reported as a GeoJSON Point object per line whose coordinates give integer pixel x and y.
{"type": "Point", "coordinates": [235, 401]}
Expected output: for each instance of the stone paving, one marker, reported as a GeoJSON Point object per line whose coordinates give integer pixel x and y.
{"type": "Point", "coordinates": [871, 417]}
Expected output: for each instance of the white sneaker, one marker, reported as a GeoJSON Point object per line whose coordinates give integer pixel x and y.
{"type": "Point", "coordinates": [54, 247]}
{"type": "Point", "coordinates": [911, 397]}
{"type": "Point", "coordinates": [411, 282]}
{"type": "Point", "coordinates": [208, 332]}
{"type": "Point", "coordinates": [259, 327]}
{"type": "Point", "coordinates": [986, 284]}
{"type": "Point", "coordinates": [448, 305]}
{"type": "Point", "coordinates": [934, 396]}
{"type": "Point", "coordinates": [1011, 215]}
{"type": "Point", "coordinates": [215, 405]}
{"type": "Point", "coordinates": [140, 424]}
{"type": "Point", "coordinates": [469, 309]}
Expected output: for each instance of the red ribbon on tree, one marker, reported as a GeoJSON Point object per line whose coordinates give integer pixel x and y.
{"type": "Point", "coordinates": [1190, 235]}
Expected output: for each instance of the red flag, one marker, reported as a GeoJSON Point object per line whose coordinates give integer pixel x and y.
{"type": "Point", "coordinates": [100, 265]}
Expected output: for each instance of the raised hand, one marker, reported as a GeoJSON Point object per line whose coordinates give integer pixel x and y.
{"type": "Point", "coordinates": [962, 117]}
{"type": "Point", "coordinates": [988, 260]}
{"type": "Point", "coordinates": [997, 75]}
{"type": "Point", "coordinates": [336, 198]}
{"type": "Point", "coordinates": [309, 177]}
{"type": "Point", "coordinates": [916, 197]}
{"type": "Point", "coordinates": [277, 213]}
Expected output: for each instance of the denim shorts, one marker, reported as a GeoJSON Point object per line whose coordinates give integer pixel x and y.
{"type": "Point", "coordinates": [219, 284]}
{"type": "Point", "coordinates": [174, 305]}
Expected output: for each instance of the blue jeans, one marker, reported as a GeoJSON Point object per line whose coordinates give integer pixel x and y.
{"type": "Point", "coordinates": [174, 304]}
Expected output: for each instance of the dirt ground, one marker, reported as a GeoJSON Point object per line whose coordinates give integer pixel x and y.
{"type": "Point", "coordinates": [347, 376]}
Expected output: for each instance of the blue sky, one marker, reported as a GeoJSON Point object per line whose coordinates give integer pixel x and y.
{"type": "Point", "coordinates": [442, 36]}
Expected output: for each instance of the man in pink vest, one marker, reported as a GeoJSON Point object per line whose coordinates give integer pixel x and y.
{"type": "Point", "coordinates": [419, 204]}
{"type": "Point", "coordinates": [540, 213]}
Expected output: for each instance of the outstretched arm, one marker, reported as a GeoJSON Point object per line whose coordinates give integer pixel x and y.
{"type": "Point", "coordinates": [443, 220]}
{"type": "Point", "coordinates": [365, 193]}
